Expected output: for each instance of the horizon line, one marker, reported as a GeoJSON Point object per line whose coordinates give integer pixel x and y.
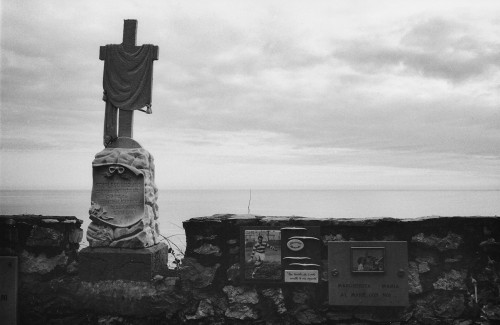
{"type": "Point", "coordinates": [269, 189]}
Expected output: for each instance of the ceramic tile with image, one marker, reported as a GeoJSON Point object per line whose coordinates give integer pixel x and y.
{"type": "Point", "coordinates": [261, 254]}
{"type": "Point", "coordinates": [367, 259]}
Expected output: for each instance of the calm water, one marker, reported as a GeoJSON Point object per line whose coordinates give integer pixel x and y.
{"type": "Point", "coordinates": [178, 205]}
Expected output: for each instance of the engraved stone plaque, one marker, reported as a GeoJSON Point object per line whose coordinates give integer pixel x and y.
{"type": "Point", "coordinates": [8, 290]}
{"type": "Point", "coordinates": [368, 273]}
{"type": "Point", "coordinates": [118, 190]}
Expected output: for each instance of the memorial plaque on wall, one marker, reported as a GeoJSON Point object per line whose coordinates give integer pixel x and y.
{"type": "Point", "coordinates": [119, 191]}
{"type": "Point", "coordinates": [301, 249]}
{"type": "Point", "coordinates": [368, 273]}
{"type": "Point", "coordinates": [8, 290]}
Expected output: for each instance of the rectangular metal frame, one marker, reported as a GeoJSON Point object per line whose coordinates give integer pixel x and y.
{"type": "Point", "coordinates": [246, 265]}
{"type": "Point", "coordinates": [355, 257]}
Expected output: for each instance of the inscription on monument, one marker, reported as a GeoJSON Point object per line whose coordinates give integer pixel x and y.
{"type": "Point", "coordinates": [119, 192]}
{"type": "Point", "coordinates": [368, 273]}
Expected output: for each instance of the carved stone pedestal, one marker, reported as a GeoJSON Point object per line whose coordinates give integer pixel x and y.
{"type": "Point", "coordinates": [105, 263]}
{"type": "Point", "coordinates": [123, 211]}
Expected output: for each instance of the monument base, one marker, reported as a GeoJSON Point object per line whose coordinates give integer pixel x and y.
{"type": "Point", "coordinates": [104, 263]}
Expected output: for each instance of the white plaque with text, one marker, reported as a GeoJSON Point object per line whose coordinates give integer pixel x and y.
{"type": "Point", "coordinates": [304, 276]}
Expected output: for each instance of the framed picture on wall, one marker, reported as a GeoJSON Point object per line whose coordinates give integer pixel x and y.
{"type": "Point", "coordinates": [260, 259]}
{"type": "Point", "coordinates": [367, 259]}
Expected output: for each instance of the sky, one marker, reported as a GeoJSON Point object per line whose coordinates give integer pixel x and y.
{"type": "Point", "coordinates": [261, 94]}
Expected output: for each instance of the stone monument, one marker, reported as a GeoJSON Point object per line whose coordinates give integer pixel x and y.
{"type": "Point", "coordinates": [124, 233]}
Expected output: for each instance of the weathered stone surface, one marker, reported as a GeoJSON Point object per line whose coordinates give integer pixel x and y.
{"type": "Point", "coordinates": [206, 238]}
{"type": "Point", "coordinates": [276, 296]}
{"type": "Point", "coordinates": [462, 322]}
{"type": "Point", "coordinates": [450, 242]}
{"type": "Point", "coordinates": [439, 306]}
{"type": "Point", "coordinates": [209, 304]}
{"type": "Point", "coordinates": [241, 312]}
{"type": "Point", "coordinates": [423, 267]}
{"type": "Point", "coordinates": [424, 315]}
{"type": "Point", "coordinates": [331, 237]}
{"type": "Point", "coordinates": [415, 287]}
{"type": "Point", "coordinates": [454, 259]}
{"type": "Point", "coordinates": [490, 246]}
{"type": "Point", "coordinates": [426, 240]}
{"type": "Point", "coordinates": [50, 220]}
{"type": "Point", "coordinates": [75, 236]}
{"type": "Point", "coordinates": [300, 297]}
{"type": "Point", "coordinates": [72, 268]}
{"type": "Point", "coordinates": [41, 264]}
{"type": "Point", "coordinates": [338, 317]}
{"type": "Point", "coordinates": [99, 235]}
{"type": "Point", "coordinates": [233, 273]}
{"type": "Point", "coordinates": [97, 264]}
{"type": "Point", "coordinates": [170, 281]}
{"type": "Point", "coordinates": [125, 297]}
{"type": "Point", "coordinates": [119, 233]}
{"type": "Point", "coordinates": [138, 157]}
{"type": "Point", "coordinates": [208, 249]}
{"type": "Point", "coordinates": [491, 312]}
{"type": "Point", "coordinates": [450, 307]}
{"type": "Point", "coordinates": [453, 280]}
{"type": "Point", "coordinates": [142, 239]}
{"type": "Point", "coordinates": [242, 295]}
{"type": "Point", "coordinates": [431, 260]}
{"type": "Point", "coordinates": [43, 236]}
{"type": "Point", "coordinates": [379, 316]}
{"type": "Point", "coordinates": [205, 309]}
{"type": "Point", "coordinates": [309, 316]}
{"type": "Point", "coordinates": [197, 275]}
{"type": "Point", "coordinates": [111, 320]}
{"type": "Point", "coordinates": [139, 235]}
{"type": "Point", "coordinates": [158, 278]}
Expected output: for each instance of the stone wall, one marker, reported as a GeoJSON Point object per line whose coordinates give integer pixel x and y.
{"type": "Point", "coordinates": [448, 259]}
{"type": "Point", "coordinates": [47, 250]}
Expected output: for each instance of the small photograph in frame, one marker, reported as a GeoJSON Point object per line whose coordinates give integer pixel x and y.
{"type": "Point", "coordinates": [261, 256]}
{"type": "Point", "coordinates": [367, 259]}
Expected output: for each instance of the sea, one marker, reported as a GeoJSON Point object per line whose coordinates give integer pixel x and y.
{"type": "Point", "coordinates": [177, 206]}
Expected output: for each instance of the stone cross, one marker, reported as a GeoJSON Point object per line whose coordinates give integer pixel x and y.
{"type": "Point", "coordinates": [119, 125]}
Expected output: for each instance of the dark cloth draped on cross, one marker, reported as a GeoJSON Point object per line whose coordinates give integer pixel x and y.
{"type": "Point", "coordinates": [127, 77]}
{"type": "Point", "coordinates": [127, 82]}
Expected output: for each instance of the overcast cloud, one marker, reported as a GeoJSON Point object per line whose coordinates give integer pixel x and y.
{"type": "Point", "coordinates": [262, 94]}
